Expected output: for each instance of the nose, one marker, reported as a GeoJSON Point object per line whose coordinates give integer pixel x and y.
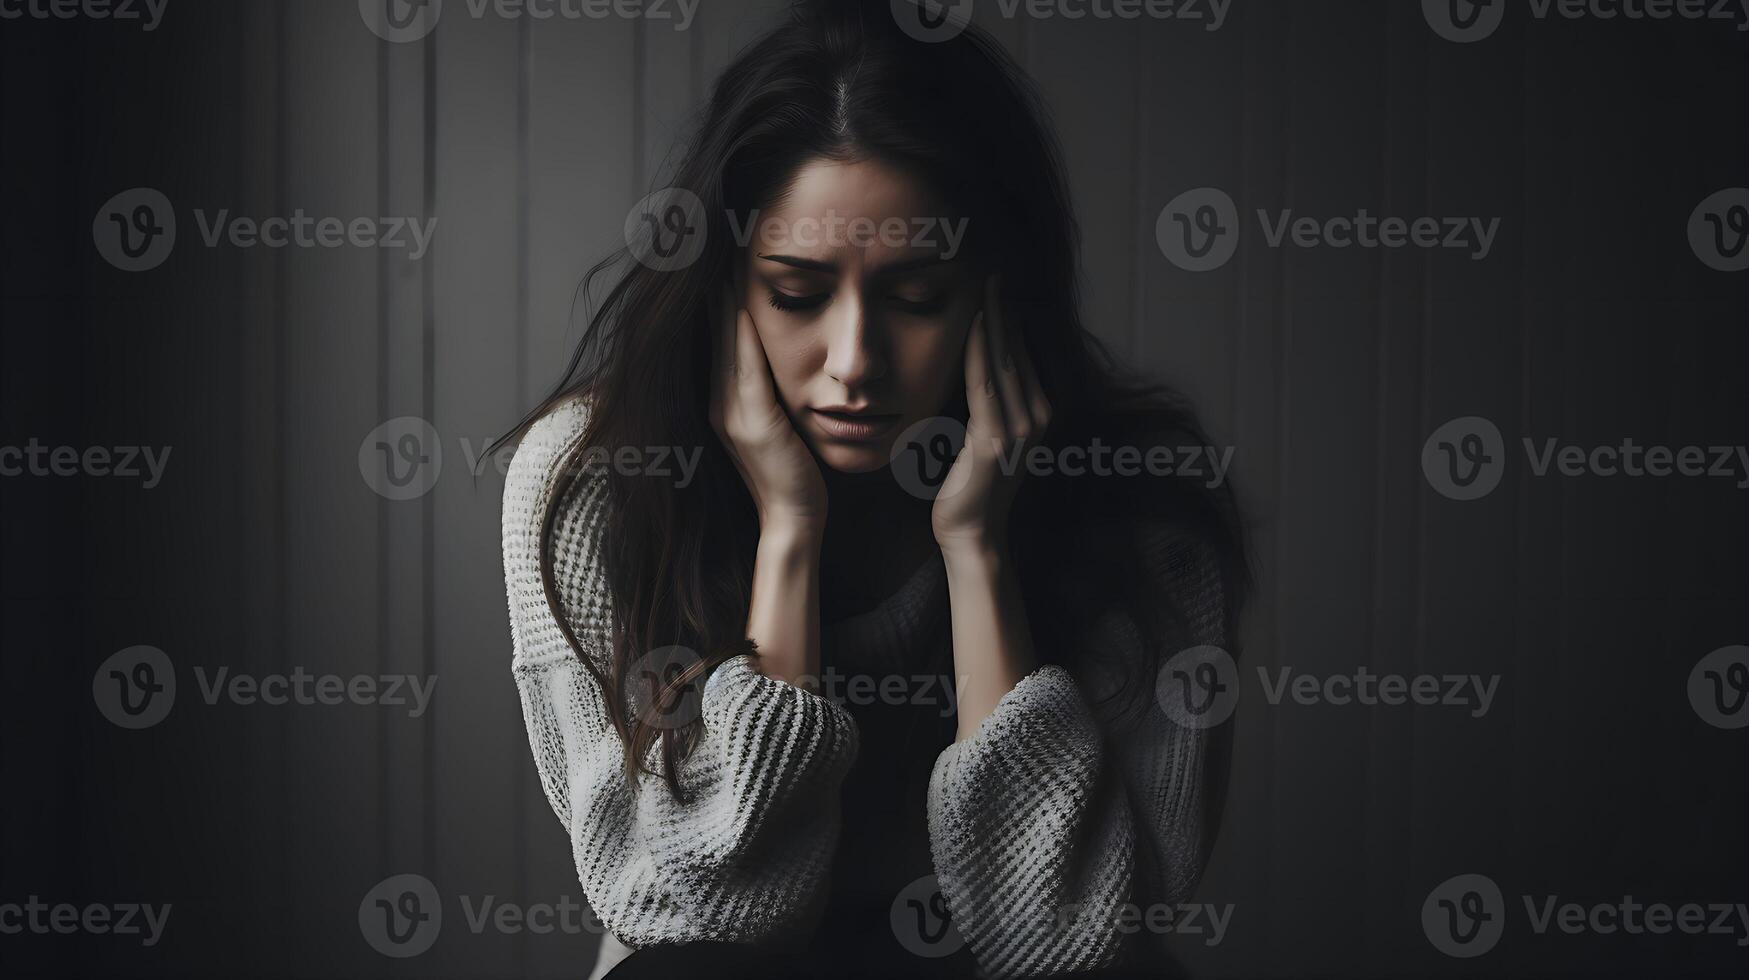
{"type": "Point", "coordinates": [854, 355]}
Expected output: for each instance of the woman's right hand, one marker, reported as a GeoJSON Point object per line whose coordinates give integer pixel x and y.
{"type": "Point", "coordinates": [774, 462]}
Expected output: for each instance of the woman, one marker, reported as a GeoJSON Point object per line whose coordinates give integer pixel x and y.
{"type": "Point", "coordinates": [679, 644]}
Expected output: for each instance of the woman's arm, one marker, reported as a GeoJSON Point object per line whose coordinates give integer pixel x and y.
{"type": "Point", "coordinates": [783, 616]}
{"type": "Point", "coordinates": [1048, 824]}
{"type": "Point", "coordinates": [743, 855]}
{"type": "Point", "coordinates": [992, 645]}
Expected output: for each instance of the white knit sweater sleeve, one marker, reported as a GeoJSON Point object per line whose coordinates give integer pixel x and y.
{"type": "Point", "coordinates": [1044, 826]}
{"type": "Point", "coordinates": [745, 857]}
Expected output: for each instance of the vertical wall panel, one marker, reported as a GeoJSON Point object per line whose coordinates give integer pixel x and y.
{"type": "Point", "coordinates": [330, 300]}
{"type": "Point", "coordinates": [480, 745]}
{"type": "Point", "coordinates": [581, 124]}
{"type": "Point", "coordinates": [1084, 68]}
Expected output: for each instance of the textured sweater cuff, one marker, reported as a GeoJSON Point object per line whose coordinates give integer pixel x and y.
{"type": "Point", "coordinates": [777, 721]}
{"type": "Point", "coordinates": [1030, 725]}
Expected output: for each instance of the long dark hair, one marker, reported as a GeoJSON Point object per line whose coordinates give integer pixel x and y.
{"type": "Point", "coordinates": [839, 80]}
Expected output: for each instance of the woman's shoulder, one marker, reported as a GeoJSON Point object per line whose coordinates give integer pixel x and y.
{"type": "Point", "coordinates": [537, 470]}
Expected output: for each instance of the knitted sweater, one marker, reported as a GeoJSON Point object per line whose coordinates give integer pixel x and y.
{"type": "Point", "coordinates": [1042, 826]}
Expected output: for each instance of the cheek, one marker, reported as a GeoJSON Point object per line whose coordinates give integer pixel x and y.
{"type": "Point", "coordinates": [932, 365]}
{"type": "Point", "coordinates": [794, 354]}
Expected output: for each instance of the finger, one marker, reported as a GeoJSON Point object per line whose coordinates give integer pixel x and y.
{"type": "Point", "coordinates": [1038, 407]}
{"type": "Point", "coordinates": [983, 404]}
{"type": "Point", "coordinates": [752, 373]}
{"type": "Point", "coordinates": [1015, 413]}
{"type": "Point", "coordinates": [722, 332]}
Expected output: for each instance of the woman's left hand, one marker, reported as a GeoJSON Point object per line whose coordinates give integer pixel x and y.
{"type": "Point", "coordinates": [1008, 413]}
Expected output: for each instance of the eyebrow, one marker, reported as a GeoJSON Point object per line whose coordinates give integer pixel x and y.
{"type": "Point", "coordinates": [891, 269]}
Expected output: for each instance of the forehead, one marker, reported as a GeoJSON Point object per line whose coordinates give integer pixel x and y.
{"type": "Point", "coordinates": [869, 188]}
{"type": "Point", "coordinates": [835, 206]}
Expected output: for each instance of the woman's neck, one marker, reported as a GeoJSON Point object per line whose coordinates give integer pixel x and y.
{"type": "Point", "coordinates": [877, 535]}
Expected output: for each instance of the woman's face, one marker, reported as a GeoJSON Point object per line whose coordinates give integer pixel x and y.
{"type": "Point", "coordinates": [862, 300]}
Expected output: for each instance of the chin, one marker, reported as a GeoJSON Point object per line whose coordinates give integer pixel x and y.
{"type": "Point", "coordinates": [844, 458]}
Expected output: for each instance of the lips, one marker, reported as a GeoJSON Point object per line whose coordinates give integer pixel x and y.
{"type": "Point", "coordinates": [853, 426]}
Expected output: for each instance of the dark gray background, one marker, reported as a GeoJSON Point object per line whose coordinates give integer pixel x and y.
{"type": "Point", "coordinates": [265, 549]}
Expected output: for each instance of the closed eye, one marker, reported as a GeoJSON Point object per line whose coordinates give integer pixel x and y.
{"type": "Point", "coordinates": [925, 306]}
{"type": "Point", "coordinates": [784, 301]}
